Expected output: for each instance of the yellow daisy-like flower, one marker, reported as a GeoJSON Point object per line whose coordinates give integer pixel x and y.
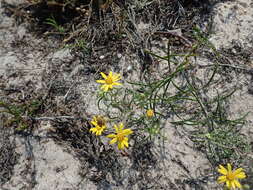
{"type": "Point", "coordinates": [120, 136]}
{"type": "Point", "coordinates": [150, 113]}
{"type": "Point", "coordinates": [100, 125]}
{"type": "Point", "coordinates": [109, 81]}
{"type": "Point", "coordinates": [231, 177]}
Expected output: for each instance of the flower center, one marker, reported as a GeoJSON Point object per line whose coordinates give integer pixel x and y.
{"type": "Point", "coordinates": [120, 137]}
{"type": "Point", "coordinates": [109, 80]}
{"type": "Point", "coordinates": [150, 113]}
{"type": "Point", "coordinates": [100, 121]}
{"type": "Point", "coordinates": [231, 176]}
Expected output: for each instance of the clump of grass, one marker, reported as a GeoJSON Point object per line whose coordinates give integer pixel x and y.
{"type": "Point", "coordinates": [19, 114]}
{"type": "Point", "coordinates": [52, 22]}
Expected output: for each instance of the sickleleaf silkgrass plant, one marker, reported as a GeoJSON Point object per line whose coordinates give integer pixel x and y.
{"type": "Point", "coordinates": [180, 95]}
{"type": "Point", "coordinates": [191, 104]}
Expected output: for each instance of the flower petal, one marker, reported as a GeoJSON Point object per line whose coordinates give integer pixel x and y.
{"type": "Point", "coordinates": [121, 126]}
{"type": "Point", "coordinates": [125, 141]}
{"type": "Point", "coordinates": [127, 132]}
{"type": "Point", "coordinates": [222, 179]}
{"type": "Point", "coordinates": [110, 74]}
{"type": "Point", "coordinates": [116, 83]}
{"type": "Point", "coordinates": [237, 171]}
{"type": "Point", "coordinates": [100, 81]}
{"type": "Point", "coordinates": [94, 123]}
{"type": "Point", "coordinates": [99, 132]}
{"type": "Point", "coordinates": [114, 140]}
{"type": "Point", "coordinates": [116, 128]}
{"type": "Point", "coordinates": [237, 184]}
{"type": "Point", "coordinates": [111, 136]}
{"type": "Point", "coordinates": [116, 77]}
{"type": "Point", "coordinates": [222, 170]}
{"type": "Point", "coordinates": [110, 86]}
{"type": "Point", "coordinates": [104, 87]}
{"type": "Point", "coordinates": [241, 175]}
{"type": "Point", "coordinates": [229, 168]}
{"type": "Point", "coordinates": [228, 183]}
{"type": "Point", "coordinates": [233, 184]}
{"type": "Point", "coordinates": [93, 130]}
{"type": "Point", "coordinates": [103, 75]}
{"type": "Point", "coordinates": [120, 145]}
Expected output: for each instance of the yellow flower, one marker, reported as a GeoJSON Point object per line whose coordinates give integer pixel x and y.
{"type": "Point", "coordinates": [120, 136]}
{"type": "Point", "coordinates": [100, 125]}
{"type": "Point", "coordinates": [109, 81]}
{"type": "Point", "coordinates": [150, 113]}
{"type": "Point", "coordinates": [230, 177]}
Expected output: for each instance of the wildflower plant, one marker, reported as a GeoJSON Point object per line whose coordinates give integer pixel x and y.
{"type": "Point", "coordinates": [129, 104]}
{"type": "Point", "coordinates": [109, 81]}
{"type": "Point", "coordinates": [230, 177]}
{"type": "Point", "coordinates": [150, 113]}
{"type": "Point", "coordinates": [124, 105]}
{"type": "Point", "coordinates": [120, 136]}
{"type": "Point", "coordinates": [99, 124]}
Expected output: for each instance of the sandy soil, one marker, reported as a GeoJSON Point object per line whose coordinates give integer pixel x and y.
{"type": "Point", "coordinates": [30, 65]}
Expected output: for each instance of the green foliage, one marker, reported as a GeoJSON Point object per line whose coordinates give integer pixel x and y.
{"type": "Point", "coordinates": [186, 103]}
{"type": "Point", "coordinates": [19, 113]}
{"type": "Point", "coordinates": [52, 22]}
